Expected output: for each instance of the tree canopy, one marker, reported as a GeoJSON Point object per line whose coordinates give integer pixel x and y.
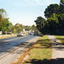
{"type": "Point", "coordinates": [39, 21]}
{"type": "Point", "coordinates": [5, 24]}
{"type": "Point", "coordinates": [55, 19]}
{"type": "Point", "coordinates": [62, 1]}
{"type": "Point", "coordinates": [52, 8]}
{"type": "Point", "coordinates": [3, 13]}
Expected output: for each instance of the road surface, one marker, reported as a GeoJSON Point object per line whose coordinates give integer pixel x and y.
{"type": "Point", "coordinates": [12, 48]}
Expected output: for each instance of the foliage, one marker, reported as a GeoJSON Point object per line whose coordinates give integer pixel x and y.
{"type": "Point", "coordinates": [1, 20]}
{"type": "Point", "coordinates": [6, 25]}
{"type": "Point", "coordinates": [55, 20]}
{"type": "Point", "coordinates": [3, 13]}
{"type": "Point", "coordinates": [4, 21]}
{"type": "Point", "coordinates": [33, 27]}
{"type": "Point", "coordinates": [62, 1]}
{"type": "Point", "coordinates": [27, 27]}
{"type": "Point", "coordinates": [18, 27]}
{"type": "Point", "coordinates": [50, 25]}
{"type": "Point", "coordinates": [52, 8]}
{"type": "Point", "coordinates": [39, 21]}
{"type": "Point", "coordinates": [61, 9]}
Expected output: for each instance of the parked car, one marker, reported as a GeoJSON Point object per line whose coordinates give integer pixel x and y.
{"type": "Point", "coordinates": [4, 32]}
{"type": "Point", "coordinates": [0, 32]}
{"type": "Point", "coordinates": [35, 33]}
{"type": "Point", "coordinates": [9, 32]}
{"type": "Point", "coordinates": [20, 34]}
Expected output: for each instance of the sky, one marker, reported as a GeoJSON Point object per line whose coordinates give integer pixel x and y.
{"type": "Point", "coordinates": [25, 11]}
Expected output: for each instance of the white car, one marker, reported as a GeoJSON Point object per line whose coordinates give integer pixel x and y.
{"type": "Point", "coordinates": [0, 32]}
{"type": "Point", "coordinates": [20, 34]}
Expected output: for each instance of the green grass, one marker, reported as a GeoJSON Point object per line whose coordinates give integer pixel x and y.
{"type": "Point", "coordinates": [60, 37]}
{"type": "Point", "coordinates": [41, 52]}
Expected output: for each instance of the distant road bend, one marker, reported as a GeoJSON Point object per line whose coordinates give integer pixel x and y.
{"type": "Point", "coordinates": [12, 48]}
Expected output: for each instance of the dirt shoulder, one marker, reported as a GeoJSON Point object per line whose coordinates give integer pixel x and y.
{"type": "Point", "coordinates": [6, 36]}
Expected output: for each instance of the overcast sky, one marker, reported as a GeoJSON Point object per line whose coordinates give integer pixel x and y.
{"type": "Point", "coordinates": [25, 11]}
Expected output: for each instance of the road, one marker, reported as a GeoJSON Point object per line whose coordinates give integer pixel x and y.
{"type": "Point", "coordinates": [12, 48]}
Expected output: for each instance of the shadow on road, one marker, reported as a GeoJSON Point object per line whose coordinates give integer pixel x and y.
{"type": "Point", "coordinates": [23, 47]}
{"type": "Point", "coordinates": [12, 46]}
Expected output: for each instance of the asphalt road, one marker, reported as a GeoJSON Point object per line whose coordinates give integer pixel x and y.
{"type": "Point", "coordinates": [12, 48]}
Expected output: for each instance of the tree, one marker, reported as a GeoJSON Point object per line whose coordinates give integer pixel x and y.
{"type": "Point", "coordinates": [1, 20]}
{"type": "Point", "coordinates": [61, 20]}
{"type": "Point", "coordinates": [61, 1]}
{"type": "Point", "coordinates": [4, 21]}
{"type": "Point", "coordinates": [39, 22]}
{"type": "Point", "coordinates": [55, 19]}
{"type": "Point", "coordinates": [6, 25]}
{"type": "Point", "coordinates": [18, 27]}
{"type": "Point", "coordinates": [27, 27]}
{"type": "Point", "coordinates": [51, 25]}
{"type": "Point", "coordinates": [33, 27]}
{"type": "Point", "coordinates": [52, 8]}
{"type": "Point", "coordinates": [61, 9]}
{"type": "Point", "coordinates": [3, 13]}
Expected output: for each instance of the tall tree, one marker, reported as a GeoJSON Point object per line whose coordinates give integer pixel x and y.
{"type": "Point", "coordinates": [3, 13]}
{"type": "Point", "coordinates": [18, 27]}
{"type": "Point", "coordinates": [1, 20]}
{"type": "Point", "coordinates": [61, 9]}
{"type": "Point", "coordinates": [61, 1]}
{"type": "Point", "coordinates": [6, 25]}
{"type": "Point", "coordinates": [52, 8]}
{"type": "Point", "coordinates": [33, 27]}
{"type": "Point", "coordinates": [39, 22]}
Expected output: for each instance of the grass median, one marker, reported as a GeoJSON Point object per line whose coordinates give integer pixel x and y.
{"type": "Point", "coordinates": [60, 37]}
{"type": "Point", "coordinates": [40, 52]}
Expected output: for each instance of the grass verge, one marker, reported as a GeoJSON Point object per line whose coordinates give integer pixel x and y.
{"type": "Point", "coordinates": [40, 52]}
{"type": "Point", "coordinates": [60, 37]}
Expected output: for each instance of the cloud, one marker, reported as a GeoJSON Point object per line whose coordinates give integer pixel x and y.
{"type": "Point", "coordinates": [28, 2]}
{"type": "Point", "coordinates": [45, 2]}
{"type": "Point", "coordinates": [48, 1]}
{"type": "Point", "coordinates": [31, 2]}
{"type": "Point", "coordinates": [40, 2]}
{"type": "Point", "coordinates": [52, 1]}
{"type": "Point", "coordinates": [37, 2]}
